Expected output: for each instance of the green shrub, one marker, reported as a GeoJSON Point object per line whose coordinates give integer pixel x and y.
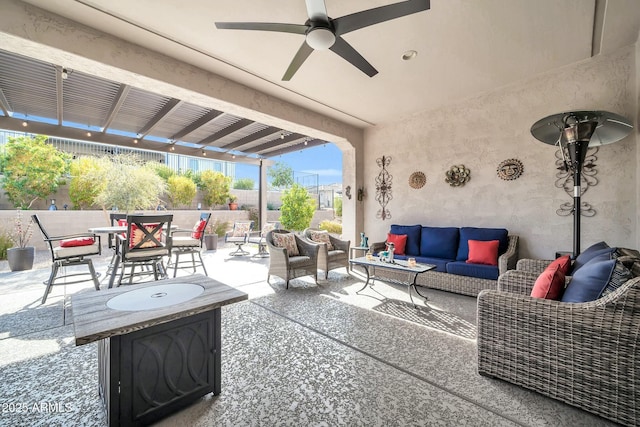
{"type": "Point", "coordinates": [337, 206]}
{"type": "Point", "coordinates": [5, 243]}
{"type": "Point", "coordinates": [243, 184]}
{"type": "Point", "coordinates": [331, 226]}
{"type": "Point", "coordinates": [297, 208]}
{"type": "Point", "coordinates": [181, 190]}
{"type": "Point", "coordinates": [217, 227]}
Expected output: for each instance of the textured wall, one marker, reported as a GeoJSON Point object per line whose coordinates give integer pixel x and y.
{"type": "Point", "coordinates": [485, 130]}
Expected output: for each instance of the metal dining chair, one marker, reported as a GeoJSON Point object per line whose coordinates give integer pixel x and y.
{"type": "Point", "coordinates": [143, 245]}
{"type": "Point", "coordinates": [67, 251]}
{"type": "Point", "coordinates": [191, 244]}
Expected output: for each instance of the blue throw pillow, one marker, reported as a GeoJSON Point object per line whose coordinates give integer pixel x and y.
{"type": "Point", "coordinates": [592, 251]}
{"type": "Point", "coordinates": [484, 234]}
{"type": "Point", "coordinates": [588, 283]}
{"type": "Point", "coordinates": [413, 237]}
{"type": "Point", "coordinates": [439, 242]}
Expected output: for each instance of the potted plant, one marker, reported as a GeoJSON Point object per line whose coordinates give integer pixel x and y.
{"type": "Point", "coordinates": [21, 256]}
{"type": "Point", "coordinates": [212, 232]}
{"type": "Point", "coordinates": [232, 202]}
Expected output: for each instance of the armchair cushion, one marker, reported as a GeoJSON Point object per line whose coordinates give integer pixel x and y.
{"type": "Point", "coordinates": [483, 252]}
{"type": "Point", "coordinates": [287, 241]}
{"type": "Point", "coordinates": [198, 229]}
{"type": "Point", "coordinates": [413, 237]}
{"type": "Point", "coordinates": [481, 271]}
{"type": "Point", "coordinates": [592, 251]}
{"type": "Point", "coordinates": [240, 229]}
{"type": "Point", "coordinates": [550, 284]}
{"type": "Point", "coordinates": [472, 233]}
{"type": "Point", "coordinates": [78, 241]}
{"type": "Point", "coordinates": [137, 235]}
{"type": "Point", "coordinates": [321, 237]}
{"type": "Point", "coordinates": [399, 242]}
{"type": "Point", "coordinates": [439, 242]}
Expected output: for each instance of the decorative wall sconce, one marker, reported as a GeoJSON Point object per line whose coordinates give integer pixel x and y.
{"type": "Point", "coordinates": [360, 194]}
{"type": "Point", "coordinates": [347, 192]}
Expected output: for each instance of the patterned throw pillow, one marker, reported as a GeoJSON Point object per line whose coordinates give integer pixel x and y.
{"type": "Point", "coordinates": [198, 229]}
{"type": "Point", "coordinates": [267, 228]}
{"type": "Point", "coordinates": [321, 237]}
{"type": "Point", "coordinates": [137, 235]}
{"type": "Point", "coordinates": [630, 258]}
{"type": "Point", "coordinates": [619, 276]}
{"type": "Point", "coordinates": [287, 241]}
{"type": "Point", "coordinates": [241, 229]}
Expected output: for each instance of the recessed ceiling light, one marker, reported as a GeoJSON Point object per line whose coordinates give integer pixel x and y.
{"type": "Point", "coordinates": [25, 124]}
{"type": "Point", "coordinates": [409, 55]}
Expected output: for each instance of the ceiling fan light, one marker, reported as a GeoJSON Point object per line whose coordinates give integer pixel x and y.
{"type": "Point", "coordinates": [320, 38]}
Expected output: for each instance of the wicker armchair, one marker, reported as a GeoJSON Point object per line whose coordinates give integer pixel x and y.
{"type": "Point", "coordinates": [584, 354]}
{"type": "Point", "coordinates": [290, 267]}
{"type": "Point", "coordinates": [337, 257]}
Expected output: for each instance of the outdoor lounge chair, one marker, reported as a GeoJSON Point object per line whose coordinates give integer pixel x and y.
{"type": "Point", "coordinates": [70, 250]}
{"type": "Point", "coordinates": [238, 236]}
{"type": "Point", "coordinates": [291, 256]}
{"type": "Point", "coordinates": [333, 253]}
{"type": "Point", "coordinates": [189, 244]}
{"type": "Point", "coordinates": [260, 237]}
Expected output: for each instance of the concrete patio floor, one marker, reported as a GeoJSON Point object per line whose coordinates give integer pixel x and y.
{"type": "Point", "coordinates": [319, 355]}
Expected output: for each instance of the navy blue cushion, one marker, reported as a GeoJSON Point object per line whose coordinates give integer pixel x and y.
{"type": "Point", "coordinates": [413, 237]}
{"type": "Point", "coordinates": [592, 251]}
{"type": "Point", "coordinates": [439, 242]}
{"type": "Point", "coordinates": [474, 270]}
{"type": "Point", "coordinates": [588, 283]}
{"type": "Point", "coordinates": [440, 263]}
{"type": "Point", "coordinates": [483, 234]}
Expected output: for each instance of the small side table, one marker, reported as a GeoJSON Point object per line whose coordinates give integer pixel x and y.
{"type": "Point", "coordinates": [353, 254]}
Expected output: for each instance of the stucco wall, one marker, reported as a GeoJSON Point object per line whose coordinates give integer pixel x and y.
{"type": "Point", "coordinates": [485, 130]}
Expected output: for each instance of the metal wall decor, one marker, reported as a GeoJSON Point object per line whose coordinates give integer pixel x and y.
{"type": "Point", "coordinates": [347, 192]}
{"type": "Point", "coordinates": [510, 169]}
{"type": "Point", "coordinates": [383, 187]}
{"type": "Point", "coordinates": [417, 180]}
{"type": "Point", "coordinates": [564, 180]}
{"type": "Point", "coordinates": [457, 176]}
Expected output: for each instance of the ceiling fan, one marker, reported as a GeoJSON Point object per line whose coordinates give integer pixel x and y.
{"type": "Point", "coordinates": [322, 32]}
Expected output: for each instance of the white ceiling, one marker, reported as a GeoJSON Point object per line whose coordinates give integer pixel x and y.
{"type": "Point", "coordinates": [465, 47]}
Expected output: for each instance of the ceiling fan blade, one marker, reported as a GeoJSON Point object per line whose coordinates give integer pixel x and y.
{"type": "Point", "coordinates": [355, 21]}
{"type": "Point", "coordinates": [345, 50]}
{"type": "Point", "coordinates": [302, 55]}
{"type": "Point", "coordinates": [317, 10]}
{"type": "Point", "coordinates": [263, 26]}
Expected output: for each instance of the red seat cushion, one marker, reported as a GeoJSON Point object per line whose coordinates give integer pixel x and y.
{"type": "Point", "coordinates": [198, 229]}
{"type": "Point", "coordinates": [78, 241]}
{"type": "Point", "coordinates": [399, 242]}
{"type": "Point", "coordinates": [483, 252]}
{"type": "Point", "coordinates": [550, 284]}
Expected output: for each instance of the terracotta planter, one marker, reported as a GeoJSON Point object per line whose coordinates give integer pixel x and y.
{"type": "Point", "coordinates": [211, 242]}
{"type": "Point", "coordinates": [21, 258]}
{"type": "Point", "coordinates": [233, 206]}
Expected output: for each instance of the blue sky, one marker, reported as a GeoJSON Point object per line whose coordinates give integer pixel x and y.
{"type": "Point", "coordinates": [324, 161]}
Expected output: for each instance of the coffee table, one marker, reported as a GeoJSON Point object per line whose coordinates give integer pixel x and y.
{"type": "Point", "coordinates": [397, 265]}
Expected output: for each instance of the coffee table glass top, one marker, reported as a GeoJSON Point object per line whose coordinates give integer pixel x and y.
{"type": "Point", "coordinates": [398, 264]}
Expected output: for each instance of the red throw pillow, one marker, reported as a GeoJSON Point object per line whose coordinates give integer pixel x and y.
{"type": "Point", "coordinates": [550, 284]}
{"type": "Point", "coordinates": [399, 242]}
{"type": "Point", "coordinates": [78, 241]}
{"type": "Point", "coordinates": [483, 252]}
{"type": "Point", "coordinates": [198, 229]}
{"type": "Point", "coordinates": [564, 262]}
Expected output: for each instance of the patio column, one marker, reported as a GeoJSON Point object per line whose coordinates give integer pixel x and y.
{"type": "Point", "coordinates": [262, 195]}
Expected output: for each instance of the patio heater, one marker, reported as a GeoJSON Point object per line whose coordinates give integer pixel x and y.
{"type": "Point", "coordinates": [574, 132]}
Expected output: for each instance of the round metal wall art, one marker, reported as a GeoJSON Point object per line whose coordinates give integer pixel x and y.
{"type": "Point", "coordinates": [457, 176]}
{"type": "Point", "coordinates": [510, 169]}
{"type": "Point", "coordinates": [417, 180]}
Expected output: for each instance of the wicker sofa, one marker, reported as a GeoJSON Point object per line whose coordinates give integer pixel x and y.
{"type": "Point", "coordinates": [585, 354]}
{"type": "Point", "coordinates": [467, 279]}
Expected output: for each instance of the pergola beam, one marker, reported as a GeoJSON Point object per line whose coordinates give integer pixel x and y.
{"type": "Point", "coordinates": [123, 91]}
{"type": "Point", "coordinates": [165, 111]}
{"type": "Point", "coordinates": [242, 123]}
{"type": "Point", "coordinates": [4, 105]}
{"type": "Point", "coordinates": [250, 138]}
{"type": "Point", "coordinates": [211, 115]}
